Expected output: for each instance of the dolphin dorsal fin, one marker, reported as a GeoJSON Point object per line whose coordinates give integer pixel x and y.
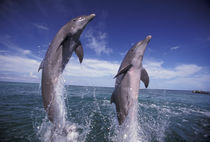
{"type": "Point", "coordinates": [41, 66]}
{"type": "Point", "coordinates": [123, 70]}
{"type": "Point", "coordinates": [79, 52]}
{"type": "Point", "coordinates": [145, 77]}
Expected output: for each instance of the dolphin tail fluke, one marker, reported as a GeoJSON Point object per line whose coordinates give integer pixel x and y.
{"type": "Point", "coordinates": [145, 77]}
{"type": "Point", "coordinates": [79, 52]}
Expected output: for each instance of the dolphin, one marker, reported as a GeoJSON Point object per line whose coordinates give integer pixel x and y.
{"type": "Point", "coordinates": [65, 42]}
{"type": "Point", "coordinates": [128, 78]}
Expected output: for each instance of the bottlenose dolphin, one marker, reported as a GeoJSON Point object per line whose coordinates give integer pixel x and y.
{"type": "Point", "coordinates": [128, 79]}
{"type": "Point", "coordinates": [65, 42]}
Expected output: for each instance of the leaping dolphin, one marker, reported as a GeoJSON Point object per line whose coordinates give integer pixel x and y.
{"type": "Point", "coordinates": [128, 79]}
{"type": "Point", "coordinates": [65, 42]}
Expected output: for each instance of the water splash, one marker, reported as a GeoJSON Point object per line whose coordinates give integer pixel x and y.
{"type": "Point", "coordinates": [62, 130]}
{"type": "Point", "coordinates": [130, 130]}
{"type": "Point", "coordinates": [144, 123]}
{"type": "Point", "coordinates": [92, 118]}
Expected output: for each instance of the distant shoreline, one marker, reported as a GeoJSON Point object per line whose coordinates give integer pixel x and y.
{"type": "Point", "coordinates": [200, 92]}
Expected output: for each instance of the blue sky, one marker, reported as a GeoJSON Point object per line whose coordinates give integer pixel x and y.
{"type": "Point", "coordinates": [176, 58]}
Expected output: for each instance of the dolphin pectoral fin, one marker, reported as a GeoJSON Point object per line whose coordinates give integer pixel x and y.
{"type": "Point", "coordinates": [62, 43]}
{"type": "Point", "coordinates": [65, 42]}
{"type": "Point", "coordinates": [145, 77]}
{"type": "Point", "coordinates": [123, 70]}
{"type": "Point", "coordinates": [112, 98]}
{"type": "Point", "coordinates": [41, 66]}
{"type": "Point", "coordinates": [79, 52]}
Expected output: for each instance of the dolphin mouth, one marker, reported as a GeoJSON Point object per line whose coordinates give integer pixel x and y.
{"type": "Point", "coordinates": [87, 20]}
{"type": "Point", "coordinates": [143, 44]}
{"type": "Point", "coordinates": [146, 40]}
{"type": "Point", "coordinates": [90, 17]}
{"type": "Point", "coordinates": [148, 37]}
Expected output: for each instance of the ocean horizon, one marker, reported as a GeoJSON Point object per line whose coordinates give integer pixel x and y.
{"type": "Point", "coordinates": [67, 84]}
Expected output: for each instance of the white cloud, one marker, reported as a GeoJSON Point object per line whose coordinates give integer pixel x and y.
{"type": "Point", "coordinates": [40, 26]}
{"type": "Point", "coordinates": [25, 69]}
{"type": "Point", "coordinates": [157, 70]}
{"type": "Point", "coordinates": [175, 47]}
{"type": "Point", "coordinates": [184, 76]}
{"type": "Point", "coordinates": [18, 64]}
{"type": "Point", "coordinates": [101, 72]}
{"type": "Point", "coordinates": [186, 70]}
{"type": "Point", "coordinates": [195, 82]}
{"type": "Point", "coordinates": [3, 51]}
{"type": "Point", "coordinates": [14, 49]}
{"type": "Point", "coordinates": [26, 52]}
{"type": "Point", "coordinates": [91, 68]}
{"type": "Point", "coordinates": [32, 75]}
{"type": "Point", "coordinates": [16, 68]}
{"type": "Point", "coordinates": [97, 41]}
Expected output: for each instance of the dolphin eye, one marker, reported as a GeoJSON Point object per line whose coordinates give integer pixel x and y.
{"type": "Point", "coordinates": [74, 20]}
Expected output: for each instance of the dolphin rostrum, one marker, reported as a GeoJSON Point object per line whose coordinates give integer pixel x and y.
{"type": "Point", "coordinates": [128, 79]}
{"type": "Point", "coordinates": [65, 42]}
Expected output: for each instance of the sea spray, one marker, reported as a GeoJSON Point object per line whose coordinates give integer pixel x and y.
{"type": "Point", "coordinates": [62, 130]}
{"type": "Point", "coordinates": [154, 120]}
{"type": "Point", "coordinates": [130, 130]}
{"type": "Point", "coordinates": [60, 104]}
{"type": "Point", "coordinates": [90, 117]}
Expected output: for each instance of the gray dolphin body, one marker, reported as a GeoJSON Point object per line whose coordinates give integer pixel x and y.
{"type": "Point", "coordinates": [128, 79]}
{"type": "Point", "coordinates": [65, 42]}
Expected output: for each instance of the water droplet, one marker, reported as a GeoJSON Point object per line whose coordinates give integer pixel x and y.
{"type": "Point", "coordinates": [124, 136]}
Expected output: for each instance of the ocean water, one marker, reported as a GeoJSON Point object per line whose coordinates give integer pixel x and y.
{"type": "Point", "coordinates": [162, 115]}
